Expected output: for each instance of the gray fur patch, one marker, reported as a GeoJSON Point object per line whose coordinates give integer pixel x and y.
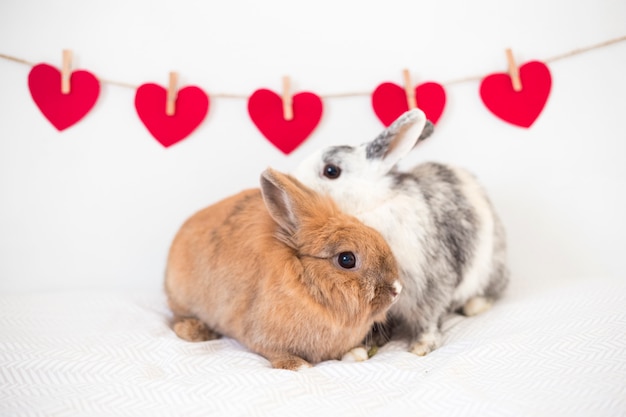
{"type": "Point", "coordinates": [377, 148]}
{"type": "Point", "coordinates": [455, 219]}
{"type": "Point", "coordinates": [333, 154]}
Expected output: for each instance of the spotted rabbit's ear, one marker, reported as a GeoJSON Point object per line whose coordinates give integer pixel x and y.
{"type": "Point", "coordinates": [396, 141]}
{"type": "Point", "coordinates": [428, 130]}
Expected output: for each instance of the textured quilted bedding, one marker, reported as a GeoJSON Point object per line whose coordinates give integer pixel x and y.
{"type": "Point", "coordinates": [552, 351]}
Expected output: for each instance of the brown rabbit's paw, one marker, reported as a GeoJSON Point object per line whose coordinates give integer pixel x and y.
{"type": "Point", "coordinates": [290, 363]}
{"type": "Point", "coordinates": [425, 344]}
{"type": "Point", "coordinates": [193, 330]}
{"type": "Point", "coordinates": [476, 305]}
{"type": "Point", "coordinates": [357, 354]}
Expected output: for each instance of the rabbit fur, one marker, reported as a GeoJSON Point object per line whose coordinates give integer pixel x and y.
{"type": "Point", "coordinates": [439, 222]}
{"type": "Point", "coordinates": [268, 267]}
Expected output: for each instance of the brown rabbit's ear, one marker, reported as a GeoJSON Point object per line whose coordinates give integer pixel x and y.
{"type": "Point", "coordinates": [284, 198]}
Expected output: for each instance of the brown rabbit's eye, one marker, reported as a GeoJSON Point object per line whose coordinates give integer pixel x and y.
{"type": "Point", "coordinates": [332, 171]}
{"type": "Point", "coordinates": [347, 260]}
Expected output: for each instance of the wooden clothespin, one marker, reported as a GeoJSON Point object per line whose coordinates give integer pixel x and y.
{"type": "Point", "coordinates": [172, 92]}
{"type": "Point", "coordinates": [513, 71]}
{"type": "Point", "coordinates": [287, 99]}
{"type": "Point", "coordinates": [409, 90]}
{"type": "Point", "coordinates": [66, 71]}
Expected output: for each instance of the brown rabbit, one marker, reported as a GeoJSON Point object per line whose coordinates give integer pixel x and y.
{"type": "Point", "coordinates": [283, 271]}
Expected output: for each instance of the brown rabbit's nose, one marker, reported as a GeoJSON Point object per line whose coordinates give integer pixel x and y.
{"type": "Point", "coordinates": [396, 288]}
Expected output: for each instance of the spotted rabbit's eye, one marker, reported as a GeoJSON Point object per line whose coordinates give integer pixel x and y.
{"type": "Point", "coordinates": [332, 171]}
{"type": "Point", "coordinates": [346, 260]}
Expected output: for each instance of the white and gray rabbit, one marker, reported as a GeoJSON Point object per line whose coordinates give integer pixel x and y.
{"type": "Point", "coordinates": [442, 229]}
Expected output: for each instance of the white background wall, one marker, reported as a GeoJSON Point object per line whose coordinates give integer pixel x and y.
{"type": "Point", "coordinates": [98, 204]}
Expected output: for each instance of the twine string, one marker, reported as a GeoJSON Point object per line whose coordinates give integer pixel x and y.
{"type": "Point", "coordinates": [462, 80]}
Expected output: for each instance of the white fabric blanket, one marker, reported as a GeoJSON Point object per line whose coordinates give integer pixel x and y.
{"type": "Point", "coordinates": [554, 351]}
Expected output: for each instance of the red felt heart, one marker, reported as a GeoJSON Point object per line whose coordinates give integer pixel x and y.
{"type": "Point", "coordinates": [266, 111]}
{"type": "Point", "coordinates": [519, 108]}
{"type": "Point", "coordinates": [389, 101]}
{"type": "Point", "coordinates": [192, 105]}
{"type": "Point", "coordinates": [62, 110]}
